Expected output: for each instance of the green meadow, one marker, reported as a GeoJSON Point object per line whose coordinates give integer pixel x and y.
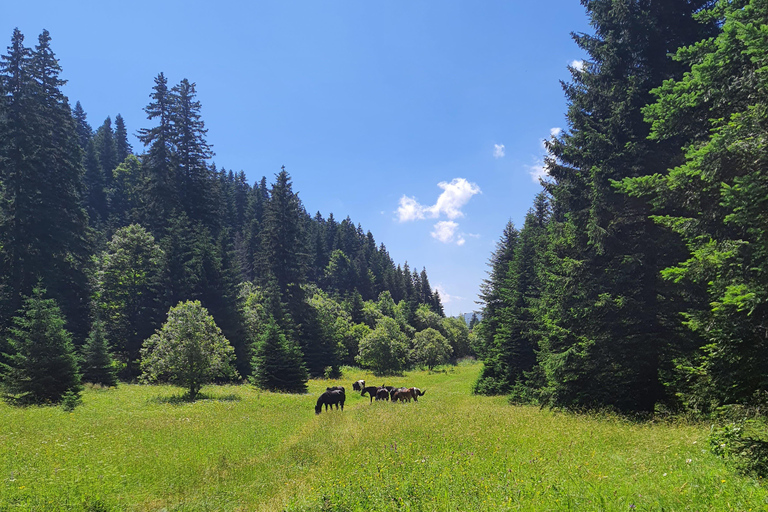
{"type": "Point", "coordinates": [143, 448]}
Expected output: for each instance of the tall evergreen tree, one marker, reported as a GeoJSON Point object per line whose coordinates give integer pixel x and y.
{"type": "Point", "coordinates": [609, 322]}
{"type": "Point", "coordinates": [128, 293]}
{"type": "Point", "coordinates": [192, 153]}
{"type": "Point", "coordinates": [42, 224]}
{"type": "Point", "coordinates": [159, 189]}
{"type": "Point", "coordinates": [490, 288]}
{"type": "Point", "coordinates": [716, 200]}
{"type": "Point", "coordinates": [84, 130]}
{"type": "Point", "coordinates": [104, 139]}
{"type": "Point", "coordinates": [42, 364]}
{"type": "Point", "coordinates": [122, 146]}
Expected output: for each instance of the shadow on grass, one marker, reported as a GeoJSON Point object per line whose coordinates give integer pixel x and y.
{"type": "Point", "coordinates": [184, 398]}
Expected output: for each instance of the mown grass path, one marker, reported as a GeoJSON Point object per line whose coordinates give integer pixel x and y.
{"type": "Point", "coordinates": [138, 448]}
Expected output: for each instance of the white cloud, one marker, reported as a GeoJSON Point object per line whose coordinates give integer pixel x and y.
{"type": "Point", "coordinates": [455, 195]}
{"type": "Point", "coordinates": [538, 171]}
{"type": "Point", "coordinates": [445, 297]}
{"type": "Point", "coordinates": [445, 230]}
{"type": "Point", "coordinates": [554, 132]}
{"type": "Point", "coordinates": [498, 151]}
{"type": "Point", "coordinates": [578, 65]}
{"type": "Point", "coordinates": [409, 209]}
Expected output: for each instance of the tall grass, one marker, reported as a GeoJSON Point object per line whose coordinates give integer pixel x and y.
{"type": "Point", "coordinates": [142, 448]}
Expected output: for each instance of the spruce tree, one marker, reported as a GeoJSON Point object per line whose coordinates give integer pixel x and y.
{"type": "Point", "coordinates": [104, 139]}
{"type": "Point", "coordinates": [716, 200]}
{"type": "Point", "coordinates": [84, 130]}
{"type": "Point", "coordinates": [192, 153]}
{"type": "Point", "coordinates": [122, 146]}
{"type": "Point", "coordinates": [42, 365]}
{"type": "Point", "coordinates": [277, 361]}
{"type": "Point", "coordinates": [608, 322]}
{"type": "Point", "coordinates": [42, 222]}
{"type": "Point", "coordinates": [96, 361]}
{"type": "Point", "coordinates": [159, 191]}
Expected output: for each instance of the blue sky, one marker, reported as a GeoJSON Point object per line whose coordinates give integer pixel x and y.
{"type": "Point", "coordinates": [421, 120]}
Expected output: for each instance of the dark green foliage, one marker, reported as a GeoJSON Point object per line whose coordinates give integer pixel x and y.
{"type": "Point", "coordinates": [42, 365]}
{"type": "Point", "coordinates": [104, 140]}
{"type": "Point", "coordinates": [97, 365]}
{"type": "Point", "coordinates": [716, 201]}
{"type": "Point", "coordinates": [84, 130]}
{"type": "Point", "coordinates": [128, 293]}
{"type": "Point", "coordinates": [277, 361]}
{"type": "Point", "coordinates": [42, 222]}
{"type": "Point", "coordinates": [122, 146]}
{"type": "Point", "coordinates": [609, 325]}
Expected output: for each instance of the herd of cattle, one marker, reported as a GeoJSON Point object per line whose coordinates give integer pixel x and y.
{"type": "Point", "coordinates": [336, 395]}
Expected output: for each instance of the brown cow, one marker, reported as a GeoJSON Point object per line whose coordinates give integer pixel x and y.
{"type": "Point", "coordinates": [403, 394]}
{"type": "Point", "coordinates": [417, 393]}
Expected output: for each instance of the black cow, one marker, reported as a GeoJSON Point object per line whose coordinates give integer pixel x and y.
{"type": "Point", "coordinates": [331, 397]}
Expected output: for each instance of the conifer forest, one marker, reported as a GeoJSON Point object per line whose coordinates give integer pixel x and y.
{"type": "Point", "coordinates": [107, 249]}
{"type": "Point", "coordinates": [637, 283]}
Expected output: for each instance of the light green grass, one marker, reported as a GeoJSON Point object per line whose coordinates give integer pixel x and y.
{"type": "Point", "coordinates": [135, 448]}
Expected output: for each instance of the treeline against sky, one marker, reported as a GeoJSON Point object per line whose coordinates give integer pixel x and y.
{"type": "Point", "coordinates": [639, 279]}
{"type": "Point", "coordinates": [116, 237]}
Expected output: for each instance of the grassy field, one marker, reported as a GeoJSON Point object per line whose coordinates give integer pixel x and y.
{"type": "Point", "coordinates": [140, 448]}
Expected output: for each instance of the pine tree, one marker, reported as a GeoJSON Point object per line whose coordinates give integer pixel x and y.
{"type": "Point", "coordinates": [84, 130]}
{"type": "Point", "coordinates": [42, 224]}
{"type": "Point", "coordinates": [106, 148]}
{"type": "Point", "coordinates": [95, 193]}
{"type": "Point", "coordinates": [122, 146]}
{"type": "Point", "coordinates": [160, 193]}
{"type": "Point", "coordinates": [42, 365]}
{"type": "Point", "coordinates": [192, 152]}
{"type": "Point", "coordinates": [128, 293]}
{"type": "Point", "coordinates": [609, 323]}
{"type": "Point", "coordinates": [716, 200]}
{"type": "Point", "coordinates": [277, 361]}
{"type": "Point", "coordinates": [97, 364]}
{"type": "Point", "coordinates": [490, 288]}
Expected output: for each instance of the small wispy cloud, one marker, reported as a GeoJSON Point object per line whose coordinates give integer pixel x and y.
{"type": "Point", "coordinates": [538, 171]}
{"type": "Point", "coordinates": [455, 195]}
{"type": "Point", "coordinates": [445, 231]}
{"type": "Point", "coordinates": [445, 297]}
{"type": "Point", "coordinates": [578, 65]}
{"type": "Point", "coordinates": [498, 151]}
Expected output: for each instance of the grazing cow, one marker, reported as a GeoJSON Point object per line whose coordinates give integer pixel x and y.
{"type": "Point", "coordinates": [402, 394]}
{"type": "Point", "coordinates": [359, 385]}
{"type": "Point", "coordinates": [336, 388]}
{"type": "Point", "coordinates": [330, 397]}
{"type": "Point", "coordinates": [417, 393]}
{"type": "Point", "coordinates": [393, 390]}
{"type": "Point", "coordinates": [371, 390]}
{"type": "Point", "coordinates": [382, 394]}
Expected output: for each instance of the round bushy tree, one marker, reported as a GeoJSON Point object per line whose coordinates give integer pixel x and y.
{"type": "Point", "coordinates": [430, 348]}
{"type": "Point", "coordinates": [42, 365]}
{"type": "Point", "coordinates": [188, 350]}
{"type": "Point", "coordinates": [385, 349]}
